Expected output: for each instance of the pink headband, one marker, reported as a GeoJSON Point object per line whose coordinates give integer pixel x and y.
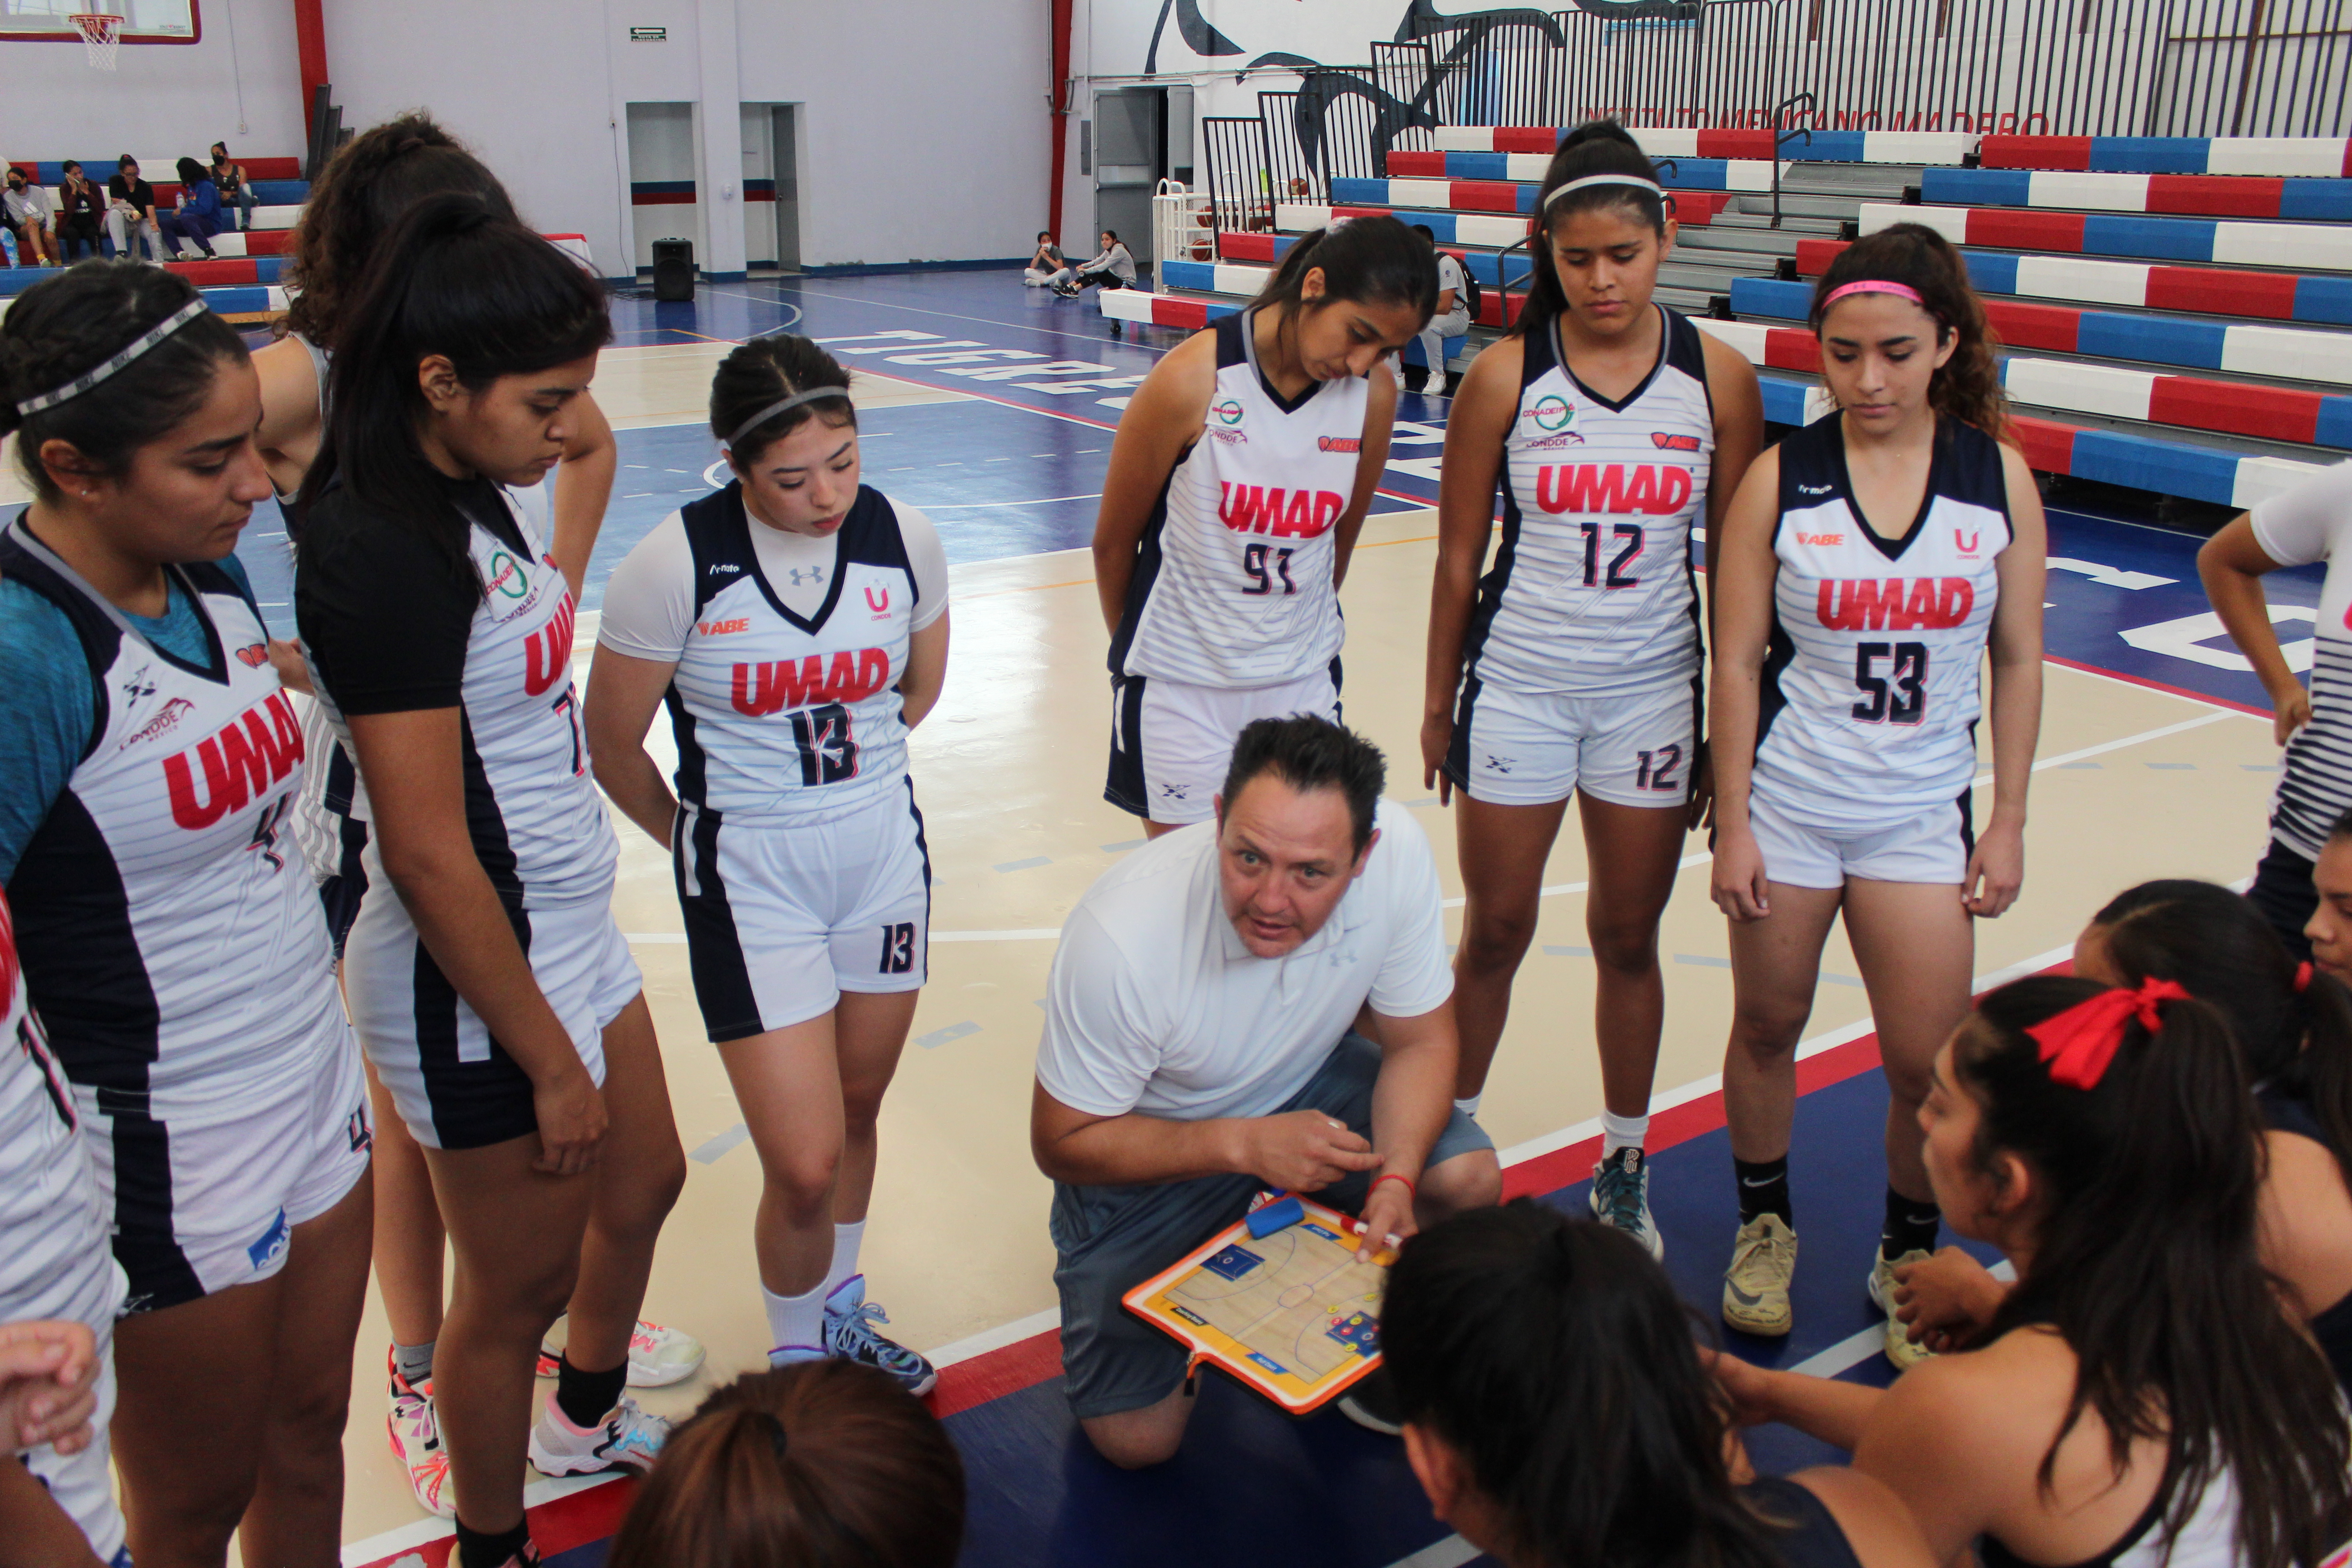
{"type": "Point", "coordinates": [1876, 286]}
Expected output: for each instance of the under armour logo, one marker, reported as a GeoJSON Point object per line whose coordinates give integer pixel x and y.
{"type": "Point", "coordinates": [816, 575]}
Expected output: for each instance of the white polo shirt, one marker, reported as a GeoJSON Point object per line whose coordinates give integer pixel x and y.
{"type": "Point", "coordinates": [2309, 523]}
{"type": "Point", "coordinates": [1155, 1006]}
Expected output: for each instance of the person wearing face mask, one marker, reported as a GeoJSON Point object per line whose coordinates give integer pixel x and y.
{"type": "Point", "coordinates": [26, 204]}
{"type": "Point", "coordinates": [795, 624]}
{"type": "Point", "coordinates": [1260, 1000]}
{"type": "Point", "coordinates": [1238, 482]}
{"type": "Point", "coordinates": [1866, 566]}
{"type": "Point", "coordinates": [130, 211]}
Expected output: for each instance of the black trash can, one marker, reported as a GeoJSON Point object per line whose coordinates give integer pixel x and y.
{"type": "Point", "coordinates": [673, 269]}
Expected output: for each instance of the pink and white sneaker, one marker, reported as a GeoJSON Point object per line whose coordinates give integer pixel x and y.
{"type": "Point", "coordinates": [657, 1356]}
{"type": "Point", "coordinates": [415, 1436]}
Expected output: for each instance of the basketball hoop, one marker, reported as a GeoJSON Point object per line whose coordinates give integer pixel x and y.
{"type": "Point", "coordinates": [102, 36]}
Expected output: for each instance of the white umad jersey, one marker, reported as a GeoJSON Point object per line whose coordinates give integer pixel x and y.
{"type": "Point", "coordinates": [779, 716]}
{"type": "Point", "coordinates": [173, 942]}
{"type": "Point", "coordinates": [54, 1262]}
{"type": "Point", "coordinates": [538, 826]}
{"type": "Point", "coordinates": [1234, 585]}
{"type": "Point", "coordinates": [1592, 592]}
{"type": "Point", "coordinates": [1871, 686]}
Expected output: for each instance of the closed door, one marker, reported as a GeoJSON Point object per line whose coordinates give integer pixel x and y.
{"type": "Point", "coordinates": [1127, 165]}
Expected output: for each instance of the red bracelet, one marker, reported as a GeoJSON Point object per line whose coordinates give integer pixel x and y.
{"type": "Point", "coordinates": [1410, 1190]}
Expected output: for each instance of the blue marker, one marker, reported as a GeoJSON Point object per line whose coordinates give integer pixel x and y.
{"type": "Point", "coordinates": [1282, 1215]}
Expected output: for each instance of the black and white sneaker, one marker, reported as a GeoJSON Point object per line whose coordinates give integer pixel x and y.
{"type": "Point", "coordinates": [1621, 1198]}
{"type": "Point", "coordinates": [849, 1334]}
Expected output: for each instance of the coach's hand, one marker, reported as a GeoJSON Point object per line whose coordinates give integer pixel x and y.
{"type": "Point", "coordinates": [1305, 1151]}
{"type": "Point", "coordinates": [1387, 1220]}
{"type": "Point", "coordinates": [571, 1112]}
{"type": "Point", "coordinates": [1436, 740]}
{"type": "Point", "coordinates": [1739, 888]}
{"type": "Point", "coordinates": [48, 1386]}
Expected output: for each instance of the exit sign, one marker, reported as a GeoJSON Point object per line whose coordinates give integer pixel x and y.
{"type": "Point", "coordinates": [648, 34]}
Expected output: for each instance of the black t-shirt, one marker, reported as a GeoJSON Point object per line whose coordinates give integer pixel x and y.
{"type": "Point", "coordinates": [384, 610]}
{"type": "Point", "coordinates": [1809, 1535]}
{"type": "Point", "coordinates": [138, 192]}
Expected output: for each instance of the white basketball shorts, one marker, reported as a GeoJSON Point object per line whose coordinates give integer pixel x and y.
{"type": "Point", "coordinates": [1522, 748]}
{"type": "Point", "coordinates": [1932, 848]}
{"type": "Point", "coordinates": [1171, 743]}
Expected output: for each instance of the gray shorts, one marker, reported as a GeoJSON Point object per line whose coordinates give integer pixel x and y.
{"type": "Point", "coordinates": [1110, 1239]}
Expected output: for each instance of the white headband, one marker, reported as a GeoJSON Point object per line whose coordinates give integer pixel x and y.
{"type": "Point", "coordinates": [98, 373]}
{"type": "Point", "coordinates": [1636, 181]}
{"type": "Point", "coordinates": [794, 401]}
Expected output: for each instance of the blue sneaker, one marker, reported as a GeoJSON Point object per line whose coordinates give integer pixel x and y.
{"type": "Point", "coordinates": [849, 1320]}
{"type": "Point", "coordinates": [1621, 1198]}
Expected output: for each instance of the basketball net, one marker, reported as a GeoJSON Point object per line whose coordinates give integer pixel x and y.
{"type": "Point", "coordinates": [102, 36]}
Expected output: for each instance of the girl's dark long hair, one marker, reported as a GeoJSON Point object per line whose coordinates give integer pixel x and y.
{"type": "Point", "coordinates": [77, 320]}
{"type": "Point", "coordinates": [1589, 1459]}
{"type": "Point", "coordinates": [1373, 260]}
{"type": "Point", "coordinates": [2222, 951]}
{"type": "Point", "coordinates": [371, 182]}
{"type": "Point", "coordinates": [2146, 1262]}
{"type": "Point", "coordinates": [1967, 388]}
{"type": "Point", "coordinates": [823, 1465]}
{"type": "Point", "coordinates": [764, 372]}
{"type": "Point", "coordinates": [459, 280]}
{"type": "Point", "coordinates": [1596, 147]}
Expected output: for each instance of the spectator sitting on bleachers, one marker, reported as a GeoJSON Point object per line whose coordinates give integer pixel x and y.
{"type": "Point", "coordinates": [1451, 320]}
{"type": "Point", "coordinates": [1046, 267]}
{"type": "Point", "coordinates": [1113, 269]}
{"type": "Point", "coordinates": [131, 210]}
{"type": "Point", "coordinates": [235, 186]}
{"type": "Point", "coordinates": [820, 1462]}
{"type": "Point", "coordinates": [198, 217]}
{"type": "Point", "coordinates": [26, 205]}
{"type": "Point", "coordinates": [80, 208]}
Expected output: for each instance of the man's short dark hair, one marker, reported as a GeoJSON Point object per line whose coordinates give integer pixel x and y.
{"type": "Point", "coordinates": [1308, 753]}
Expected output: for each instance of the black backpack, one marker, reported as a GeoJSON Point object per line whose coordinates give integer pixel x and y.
{"type": "Point", "coordinates": [1470, 291]}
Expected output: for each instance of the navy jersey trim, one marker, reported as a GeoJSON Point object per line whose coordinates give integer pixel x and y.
{"type": "Point", "coordinates": [1236, 330]}
{"type": "Point", "coordinates": [473, 1104]}
{"type": "Point", "coordinates": [83, 968]}
{"type": "Point", "coordinates": [714, 947]}
{"type": "Point", "coordinates": [1666, 348]}
{"type": "Point", "coordinates": [486, 824]}
{"type": "Point", "coordinates": [692, 777]}
{"type": "Point", "coordinates": [1125, 787]}
{"type": "Point", "coordinates": [719, 534]}
{"type": "Point", "coordinates": [157, 1271]}
{"type": "Point", "coordinates": [1148, 557]}
{"type": "Point", "coordinates": [922, 847]}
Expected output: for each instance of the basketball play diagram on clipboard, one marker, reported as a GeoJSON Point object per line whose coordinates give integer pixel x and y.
{"type": "Point", "coordinates": [1295, 1314]}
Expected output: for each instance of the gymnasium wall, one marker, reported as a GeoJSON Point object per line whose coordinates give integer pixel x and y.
{"type": "Point", "coordinates": [238, 83]}
{"type": "Point", "coordinates": [917, 120]}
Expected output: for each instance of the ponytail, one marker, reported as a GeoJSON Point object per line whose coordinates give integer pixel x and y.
{"type": "Point", "coordinates": [458, 280]}
{"type": "Point", "coordinates": [825, 1463]}
{"type": "Point", "coordinates": [2291, 1024]}
{"type": "Point", "coordinates": [1371, 260]}
{"type": "Point", "coordinates": [2141, 1135]}
{"type": "Point", "coordinates": [1967, 386]}
{"type": "Point", "coordinates": [1488, 1329]}
{"type": "Point", "coordinates": [1595, 147]}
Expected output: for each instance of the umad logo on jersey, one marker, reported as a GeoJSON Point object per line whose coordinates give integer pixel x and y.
{"type": "Point", "coordinates": [1552, 412]}
{"type": "Point", "coordinates": [1227, 410]}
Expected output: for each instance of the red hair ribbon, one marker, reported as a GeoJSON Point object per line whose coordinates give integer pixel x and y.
{"type": "Point", "coordinates": [2080, 1042]}
{"type": "Point", "coordinates": [2303, 976]}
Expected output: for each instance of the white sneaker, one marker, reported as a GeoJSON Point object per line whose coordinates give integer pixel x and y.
{"type": "Point", "coordinates": [657, 1356]}
{"type": "Point", "coordinates": [1900, 1350]}
{"type": "Point", "coordinates": [1621, 1198]}
{"type": "Point", "coordinates": [629, 1439]}
{"type": "Point", "coordinates": [416, 1434]}
{"type": "Point", "coordinates": [1756, 1285]}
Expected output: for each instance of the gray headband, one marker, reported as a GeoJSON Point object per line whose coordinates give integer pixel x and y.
{"type": "Point", "coordinates": [98, 373]}
{"type": "Point", "coordinates": [794, 401]}
{"type": "Point", "coordinates": [1635, 181]}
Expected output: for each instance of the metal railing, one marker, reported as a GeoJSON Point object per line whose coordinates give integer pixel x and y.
{"type": "Point", "coordinates": [1241, 186]}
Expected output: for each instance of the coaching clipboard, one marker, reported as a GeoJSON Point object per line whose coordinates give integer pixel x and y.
{"type": "Point", "coordinates": [1293, 1315]}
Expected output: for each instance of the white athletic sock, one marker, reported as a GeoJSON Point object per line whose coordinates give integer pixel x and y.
{"type": "Point", "coordinates": [1622, 1131]}
{"type": "Point", "coordinates": [795, 1319]}
{"type": "Point", "coordinates": [846, 1238]}
{"type": "Point", "coordinates": [1470, 1107]}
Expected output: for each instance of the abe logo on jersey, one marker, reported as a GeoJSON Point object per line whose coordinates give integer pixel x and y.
{"type": "Point", "coordinates": [1339, 443]}
{"type": "Point", "coordinates": [779, 685]}
{"type": "Point", "coordinates": [1894, 603]}
{"type": "Point", "coordinates": [1671, 442]}
{"type": "Point", "coordinates": [1272, 509]}
{"type": "Point", "coordinates": [252, 753]}
{"type": "Point", "coordinates": [1657, 489]}
{"type": "Point", "coordinates": [253, 656]}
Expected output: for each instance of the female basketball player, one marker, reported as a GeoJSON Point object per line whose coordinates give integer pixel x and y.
{"type": "Point", "coordinates": [1488, 1330]}
{"type": "Point", "coordinates": [485, 974]}
{"type": "Point", "coordinates": [1865, 567]}
{"type": "Point", "coordinates": [57, 1276]}
{"type": "Point", "coordinates": [1239, 480]}
{"type": "Point", "coordinates": [796, 624]}
{"type": "Point", "coordinates": [366, 186]}
{"type": "Point", "coordinates": [2140, 1395]}
{"type": "Point", "coordinates": [171, 943]}
{"type": "Point", "coordinates": [1573, 668]}
{"type": "Point", "coordinates": [2292, 1029]}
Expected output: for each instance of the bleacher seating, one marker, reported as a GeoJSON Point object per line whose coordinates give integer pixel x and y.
{"type": "Point", "coordinates": [2169, 308]}
{"type": "Point", "coordinates": [240, 284]}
